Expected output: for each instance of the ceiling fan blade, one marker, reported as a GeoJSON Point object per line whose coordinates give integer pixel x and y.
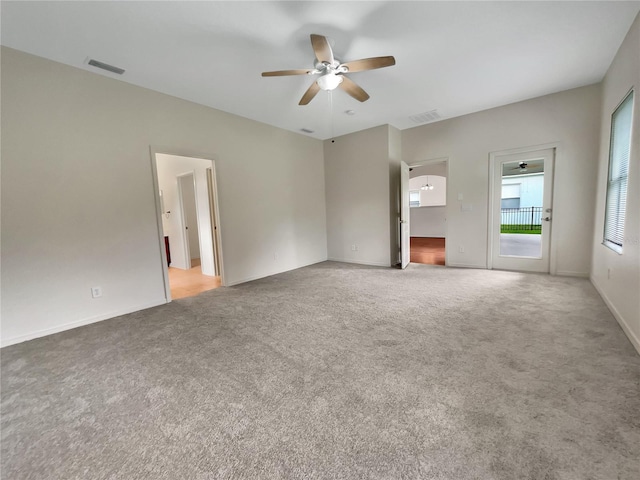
{"type": "Point", "coordinates": [321, 48]}
{"type": "Point", "coordinates": [353, 89]}
{"type": "Point", "coordinates": [281, 73]}
{"type": "Point", "coordinates": [309, 94]}
{"type": "Point", "coordinates": [369, 64]}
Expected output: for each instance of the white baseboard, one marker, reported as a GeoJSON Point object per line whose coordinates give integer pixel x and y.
{"type": "Point", "coordinates": [569, 273]}
{"type": "Point", "coordinates": [635, 341]}
{"type": "Point", "coordinates": [466, 265]}
{"type": "Point", "coordinates": [258, 277]}
{"type": "Point", "coordinates": [79, 323]}
{"type": "Point", "coordinates": [372, 264]}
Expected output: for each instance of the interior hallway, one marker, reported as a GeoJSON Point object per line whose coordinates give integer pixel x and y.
{"type": "Point", "coordinates": [188, 283]}
{"type": "Point", "coordinates": [427, 250]}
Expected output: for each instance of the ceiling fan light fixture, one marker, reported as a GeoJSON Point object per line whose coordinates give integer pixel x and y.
{"type": "Point", "coordinates": [329, 81]}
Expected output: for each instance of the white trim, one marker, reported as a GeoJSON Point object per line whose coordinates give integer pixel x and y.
{"type": "Point", "coordinates": [372, 264]}
{"type": "Point", "coordinates": [258, 277]}
{"type": "Point", "coordinates": [569, 273]}
{"type": "Point", "coordinates": [80, 323]}
{"type": "Point", "coordinates": [635, 341]}
{"type": "Point", "coordinates": [467, 265]}
{"type": "Point", "coordinates": [217, 245]}
{"type": "Point", "coordinates": [422, 163]}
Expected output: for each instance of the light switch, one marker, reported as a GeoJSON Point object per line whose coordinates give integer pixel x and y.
{"type": "Point", "coordinates": [466, 207]}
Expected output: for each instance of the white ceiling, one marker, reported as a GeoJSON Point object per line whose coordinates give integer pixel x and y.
{"type": "Point", "coordinates": [456, 57]}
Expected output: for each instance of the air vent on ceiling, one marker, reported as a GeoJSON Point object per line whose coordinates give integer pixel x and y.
{"type": "Point", "coordinates": [105, 66]}
{"type": "Point", "coordinates": [306, 130]}
{"type": "Point", "coordinates": [426, 117]}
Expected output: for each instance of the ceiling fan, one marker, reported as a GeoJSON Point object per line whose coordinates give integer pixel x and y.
{"type": "Point", "coordinates": [332, 72]}
{"type": "Point", "coordinates": [522, 166]}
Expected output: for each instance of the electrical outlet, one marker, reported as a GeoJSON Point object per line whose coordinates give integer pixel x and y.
{"type": "Point", "coordinates": [353, 248]}
{"type": "Point", "coordinates": [96, 292]}
{"type": "Point", "coordinates": [275, 255]}
{"type": "Point", "coordinates": [461, 249]}
{"type": "Point", "coordinates": [357, 248]}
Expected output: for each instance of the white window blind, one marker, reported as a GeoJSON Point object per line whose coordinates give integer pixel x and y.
{"type": "Point", "coordinates": [619, 152]}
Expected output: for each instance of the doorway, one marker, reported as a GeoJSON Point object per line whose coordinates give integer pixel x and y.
{"type": "Point", "coordinates": [428, 211]}
{"type": "Point", "coordinates": [520, 210]}
{"type": "Point", "coordinates": [188, 224]}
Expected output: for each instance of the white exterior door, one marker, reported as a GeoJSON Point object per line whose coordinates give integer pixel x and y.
{"type": "Point", "coordinates": [521, 211]}
{"type": "Point", "coordinates": [405, 232]}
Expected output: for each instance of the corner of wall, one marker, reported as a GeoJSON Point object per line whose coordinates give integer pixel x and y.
{"type": "Point", "coordinates": [395, 157]}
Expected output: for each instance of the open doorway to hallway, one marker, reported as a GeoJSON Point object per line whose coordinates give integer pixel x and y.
{"type": "Point", "coordinates": [427, 201]}
{"type": "Point", "coordinates": [189, 225]}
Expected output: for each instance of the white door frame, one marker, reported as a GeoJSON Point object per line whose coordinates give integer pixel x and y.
{"type": "Point", "coordinates": [405, 216]}
{"type": "Point", "coordinates": [153, 150]}
{"type": "Point", "coordinates": [211, 186]}
{"type": "Point", "coordinates": [558, 151]}
{"type": "Point", "coordinates": [430, 161]}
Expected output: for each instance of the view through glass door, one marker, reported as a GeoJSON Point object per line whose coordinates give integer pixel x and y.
{"type": "Point", "coordinates": [522, 211]}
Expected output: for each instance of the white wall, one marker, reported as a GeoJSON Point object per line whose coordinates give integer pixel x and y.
{"type": "Point", "coordinates": [78, 205]}
{"type": "Point", "coordinates": [617, 277]}
{"type": "Point", "coordinates": [531, 188]}
{"type": "Point", "coordinates": [428, 222]}
{"type": "Point", "coordinates": [357, 169]}
{"type": "Point", "coordinates": [168, 168]}
{"type": "Point", "coordinates": [431, 168]}
{"type": "Point", "coordinates": [430, 198]}
{"type": "Point", "coordinates": [569, 119]}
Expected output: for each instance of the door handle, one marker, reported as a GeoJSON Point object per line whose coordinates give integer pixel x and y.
{"type": "Point", "coordinates": [546, 219]}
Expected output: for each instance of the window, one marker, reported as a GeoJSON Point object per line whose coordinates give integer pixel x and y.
{"type": "Point", "coordinates": [619, 152]}
{"type": "Point", "coordinates": [414, 198]}
{"type": "Point", "coordinates": [510, 195]}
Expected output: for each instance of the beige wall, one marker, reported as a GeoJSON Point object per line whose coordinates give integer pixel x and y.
{"type": "Point", "coordinates": [78, 206]}
{"type": "Point", "coordinates": [428, 222]}
{"type": "Point", "coordinates": [395, 157]}
{"type": "Point", "coordinates": [357, 168]}
{"type": "Point", "coordinates": [570, 120]}
{"type": "Point", "coordinates": [617, 277]}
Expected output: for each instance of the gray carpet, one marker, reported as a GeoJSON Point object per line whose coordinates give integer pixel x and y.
{"type": "Point", "coordinates": [335, 371]}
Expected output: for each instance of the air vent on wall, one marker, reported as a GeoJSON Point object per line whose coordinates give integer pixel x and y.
{"type": "Point", "coordinates": [105, 66]}
{"type": "Point", "coordinates": [426, 117]}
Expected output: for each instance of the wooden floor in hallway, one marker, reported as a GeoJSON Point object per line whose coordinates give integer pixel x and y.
{"type": "Point", "coordinates": [188, 283]}
{"type": "Point", "coordinates": [427, 250]}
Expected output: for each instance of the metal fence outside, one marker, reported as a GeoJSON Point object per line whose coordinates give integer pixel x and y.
{"type": "Point", "coordinates": [526, 218]}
